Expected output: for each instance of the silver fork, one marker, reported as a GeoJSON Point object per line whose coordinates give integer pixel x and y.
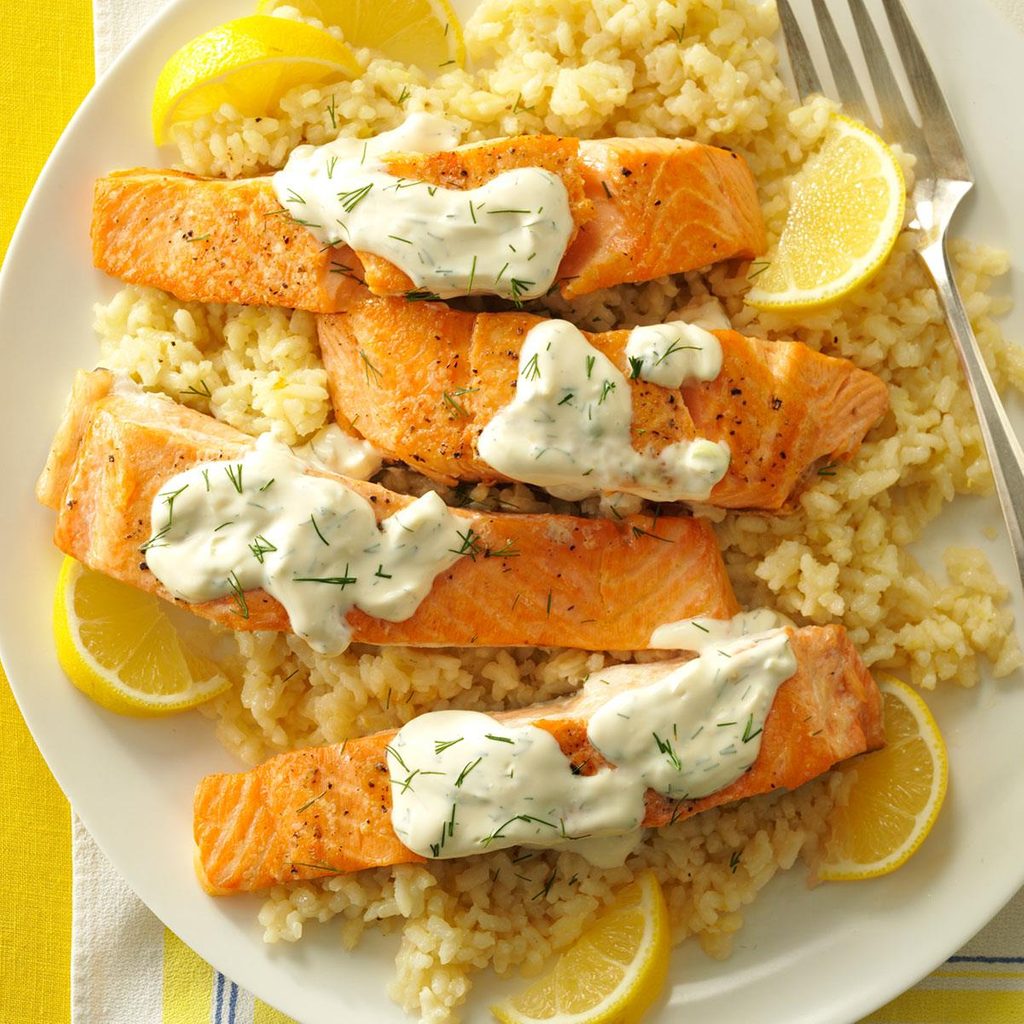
{"type": "Point", "coordinates": [943, 178]}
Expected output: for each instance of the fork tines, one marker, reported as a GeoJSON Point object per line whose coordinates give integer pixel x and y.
{"type": "Point", "coordinates": [936, 137]}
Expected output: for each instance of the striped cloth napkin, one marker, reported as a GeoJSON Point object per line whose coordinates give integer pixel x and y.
{"type": "Point", "coordinates": [127, 968]}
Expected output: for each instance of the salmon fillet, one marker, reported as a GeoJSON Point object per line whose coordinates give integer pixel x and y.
{"type": "Point", "coordinates": [641, 208]}
{"type": "Point", "coordinates": [327, 810]}
{"type": "Point", "coordinates": [565, 581]}
{"type": "Point", "coordinates": [780, 406]}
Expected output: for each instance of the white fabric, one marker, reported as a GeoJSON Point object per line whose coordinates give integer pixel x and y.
{"type": "Point", "coordinates": [115, 23]}
{"type": "Point", "coordinates": [117, 960]}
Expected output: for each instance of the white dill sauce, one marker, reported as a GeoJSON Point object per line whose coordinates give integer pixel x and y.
{"type": "Point", "coordinates": [673, 353]}
{"type": "Point", "coordinates": [463, 783]}
{"type": "Point", "coordinates": [262, 522]}
{"type": "Point", "coordinates": [506, 237]}
{"type": "Point", "coordinates": [568, 427]}
{"type": "Point", "coordinates": [698, 633]}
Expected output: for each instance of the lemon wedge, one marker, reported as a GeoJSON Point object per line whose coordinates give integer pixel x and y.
{"type": "Point", "coordinates": [249, 63]}
{"type": "Point", "coordinates": [117, 645]}
{"type": "Point", "coordinates": [614, 971]}
{"type": "Point", "coordinates": [897, 795]}
{"type": "Point", "coordinates": [426, 33]}
{"type": "Point", "coordinates": [844, 218]}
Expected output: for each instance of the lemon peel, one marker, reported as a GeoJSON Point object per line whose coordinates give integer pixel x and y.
{"type": "Point", "coordinates": [426, 33]}
{"type": "Point", "coordinates": [897, 795]}
{"type": "Point", "coordinates": [248, 63]}
{"type": "Point", "coordinates": [117, 645]}
{"type": "Point", "coordinates": [846, 213]}
{"type": "Point", "coordinates": [612, 973]}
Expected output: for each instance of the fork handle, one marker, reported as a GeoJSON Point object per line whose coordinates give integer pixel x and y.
{"type": "Point", "coordinates": [1004, 450]}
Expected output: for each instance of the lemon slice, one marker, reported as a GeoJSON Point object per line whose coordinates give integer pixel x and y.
{"type": "Point", "coordinates": [426, 33]}
{"type": "Point", "coordinates": [897, 795]}
{"type": "Point", "coordinates": [846, 212]}
{"type": "Point", "coordinates": [249, 63]}
{"type": "Point", "coordinates": [117, 645]}
{"type": "Point", "coordinates": [613, 972]}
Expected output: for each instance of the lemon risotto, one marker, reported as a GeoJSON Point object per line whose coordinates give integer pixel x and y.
{"type": "Point", "coordinates": [702, 69]}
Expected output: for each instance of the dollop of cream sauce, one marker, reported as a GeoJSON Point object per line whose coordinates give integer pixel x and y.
{"type": "Point", "coordinates": [696, 634]}
{"type": "Point", "coordinates": [464, 783]}
{"type": "Point", "coordinates": [330, 448]}
{"type": "Point", "coordinates": [568, 427]}
{"type": "Point", "coordinates": [506, 237]}
{"type": "Point", "coordinates": [673, 353]}
{"type": "Point", "coordinates": [263, 522]}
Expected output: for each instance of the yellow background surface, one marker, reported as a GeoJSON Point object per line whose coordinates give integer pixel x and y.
{"type": "Point", "coordinates": [46, 68]}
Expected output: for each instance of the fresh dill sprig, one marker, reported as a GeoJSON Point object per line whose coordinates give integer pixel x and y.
{"type": "Point", "coordinates": [331, 110]}
{"type": "Point", "coordinates": [351, 199]}
{"type": "Point", "coordinates": [396, 755]}
{"type": "Point", "coordinates": [202, 392]}
{"type": "Point", "coordinates": [546, 888]}
{"type": "Point", "coordinates": [314, 866]}
{"type": "Point", "coordinates": [465, 771]}
{"type": "Point", "coordinates": [239, 595]}
{"type": "Point", "coordinates": [260, 547]}
{"type": "Point", "coordinates": [331, 164]}
{"type": "Point", "coordinates": [499, 739]}
{"type": "Point", "coordinates": [470, 544]}
{"type": "Point", "coordinates": [639, 531]}
{"type": "Point", "coordinates": [169, 498]}
{"type": "Point", "coordinates": [294, 197]}
{"type": "Point", "coordinates": [234, 474]}
{"type": "Point", "coordinates": [440, 746]}
{"type": "Point", "coordinates": [665, 747]}
{"type": "Point", "coordinates": [591, 360]}
{"type": "Point", "coordinates": [747, 734]}
{"type": "Point", "coordinates": [312, 519]}
{"type": "Point", "coordinates": [531, 371]}
{"type": "Point", "coordinates": [309, 803]}
{"type": "Point", "coordinates": [404, 95]}
{"type": "Point", "coordinates": [606, 389]}
{"type": "Point", "coordinates": [675, 347]}
{"type": "Point", "coordinates": [369, 368]}
{"type": "Point", "coordinates": [636, 364]}
{"type": "Point", "coordinates": [450, 398]}
{"type": "Point", "coordinates": [519, 288]}
{"type": "Point", "coordinates": [505, 551]}
{"type": "Point", "coordinates": [422, 295]}
{"type": "Point", "coordinates": [335, 581]}
{"type": "Point", "coordinates": [153, 541]}
{"type": "Point", "coordinates": [762, 266]}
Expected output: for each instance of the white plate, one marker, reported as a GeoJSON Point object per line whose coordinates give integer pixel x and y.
{"type": "Point", "coordinates": [827, 956]}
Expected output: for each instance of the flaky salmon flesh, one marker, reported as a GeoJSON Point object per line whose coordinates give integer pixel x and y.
{"type": "Point", "coordinates": [641, 208]}
{"type": "Point", "coordinates": [781, 407]}
{"type": "Point", "coordinates": [327, 810]}
{"type": "Point", "coordinates": [570, 582]}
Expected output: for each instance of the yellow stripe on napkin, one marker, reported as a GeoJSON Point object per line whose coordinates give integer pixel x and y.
{"type": "Point", "coordinates": [188, 983]}
{"type": "Point", "coordinates": [924, 1006]}
{"type": "Point", "coordinates": [268, 1015]}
